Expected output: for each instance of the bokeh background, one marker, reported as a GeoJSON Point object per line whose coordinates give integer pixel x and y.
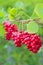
{"type": "Point", "coordinates": [12, 11]}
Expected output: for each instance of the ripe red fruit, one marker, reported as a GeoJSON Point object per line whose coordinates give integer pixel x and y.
{"type": "Point", "coordinates": [35, 43]}
{"type": "Point", "coordinates": [17, 43]}
{"type": "Point", "coordinates": [32, 41]}
{"type": "Point", "coordinates": [30, 49]}
{"type": "Point", "coordinates": [10, 27]}
{"type": "Point", "coordinates": [8, 36]}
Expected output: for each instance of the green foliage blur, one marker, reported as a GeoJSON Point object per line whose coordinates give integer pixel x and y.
{"type": "Point", "coordinates": [20, 10]}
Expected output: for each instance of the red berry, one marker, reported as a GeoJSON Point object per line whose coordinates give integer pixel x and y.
{"type": "Point", "coordinates": [34, 51]}
{"type": "Point", "coordinates": [8, 36]}
{"type": "Point", "coordinates": [30, 49]}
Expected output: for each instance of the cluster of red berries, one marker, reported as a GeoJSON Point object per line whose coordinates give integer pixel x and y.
{"type": "Point", "coordinates": [32, 41]}
{"type": "Point", "coordinates": [18, 38]}
{"type": "Point", "coordinates": [34, 44]}
{"type": "Point", "coordinates": [9, 28]}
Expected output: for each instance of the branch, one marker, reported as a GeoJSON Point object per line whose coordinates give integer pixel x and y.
{"type": "Point", "coordinates": [37, 20]}
{"type": "Point", "coordinates": [28, 20]}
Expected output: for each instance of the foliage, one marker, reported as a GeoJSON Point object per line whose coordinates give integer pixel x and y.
{"type": "Point", "coordinates": [20, 10]}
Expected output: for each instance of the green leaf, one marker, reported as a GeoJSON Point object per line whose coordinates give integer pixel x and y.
{"type": "Point", "coordinates": [32, 27]}
{"type": "Point", "coordinates": [10, 17]}
{"type": "Point", "coordinates": [29, 9]}
{"type": "Point", "coordinates": [39, 10]}
{"type": "Point", "coordinates": [12, 11]}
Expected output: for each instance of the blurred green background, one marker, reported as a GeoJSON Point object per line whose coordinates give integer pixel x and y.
{"type": "Point", "coordinates": [20, 10]}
